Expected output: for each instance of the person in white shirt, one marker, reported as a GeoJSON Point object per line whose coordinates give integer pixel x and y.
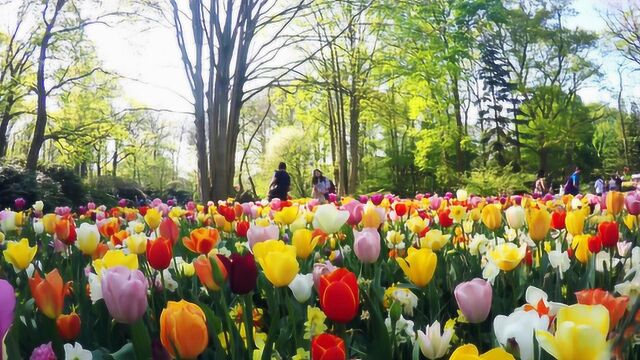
{"type": "Point", "coordinates": [599, 185]}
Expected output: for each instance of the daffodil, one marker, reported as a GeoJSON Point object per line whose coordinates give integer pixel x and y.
{"type": "Point", "coordinates": [314, 325]}
{"type": "Point", "coordinates": [457, 213]}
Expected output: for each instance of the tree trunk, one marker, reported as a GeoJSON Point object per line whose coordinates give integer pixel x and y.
{"type": "Point", "coordinates": [41, 114]}
{"type": "Point", "coordinates": [625, 147]}
{"type": "Point", "coordinates": [114, 161]}
{"type": "Point", "coordinates": [459, 125]}
{"type": "Point", "coordinates": [354, 139]}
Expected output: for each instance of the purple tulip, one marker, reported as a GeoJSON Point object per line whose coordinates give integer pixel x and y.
{"type": "Point", "coordinates": [366, 245]}
{"type": "Point", "coordinates": [363, 199]}
{"type": "Point", "coordinates": [191, 206]}
{"type": "Point", "coordinates": [355, 209]}
{"type": "Point", "coordinates": [632, 202]}
{"type": "Point", "coordinates": [156, 202]}
{"type": "Point", "coordinates": [474, 299]}
{"type": "Point", "coordinates": [475, 200]}
{"type": "Point", "coordinates": [62, 210]}
{"type": "Point", "coordinates": [376, 199]}
{"type": "Point", "coordinates": [320, 269]}
{"type": "Point", "coordinates": [8, 301]}
{"type": "Point", "coordinates": [125, 293]}
{"type": "Point", "coordinates": [91, 206]}
{"type": "Point", "coordinates": [517, 199]}
{"type": "Point", "coordinates": [257, 234]}
{"type": "Point", "coordinates": [171, 202]}
{"type": "Point", "coordinates": [332, 197]}
{"type": "Point", "coordinates": [122, 202]}
{"type": "Point", "coordinates": [43, 352]}
{"type": "Point", "coordinates": [20, 203]}
{"type": "Point", "coordinates": [547, 197]}
{"type": "Point", "coordinates": [448, 195]}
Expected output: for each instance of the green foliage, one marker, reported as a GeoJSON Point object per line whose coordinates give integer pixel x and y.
{"type": "Point", "coordinates": [494, 180]}
{"type": "Point", "coordinates": [16, 182]}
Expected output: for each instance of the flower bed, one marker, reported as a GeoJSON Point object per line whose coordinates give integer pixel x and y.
{"type": "Point", "coordinates": [458, 277]}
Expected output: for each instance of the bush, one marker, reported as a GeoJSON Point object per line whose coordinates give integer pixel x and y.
{"type": "Point", "coordinates": [108, 190]}
{"type": "Point", "coordinates": [15, 182]}
{"type": "Point", "coordinates": [493, 180]}
{"type": "Point", "coordinates": [70, 183]}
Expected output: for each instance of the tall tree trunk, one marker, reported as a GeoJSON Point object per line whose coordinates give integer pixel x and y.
{"type": "Point", "coordinates": [459, 125]}
{"type": "Point", "coordinates": [4, 125]}
{"type": "Point", "coordinates": [114, 161]}
{"type": "Point", "coordinates": [625, 147]}
{"type": "Point", "coordinates": [518, 162]}
{"type": "Point", "coordinates": [41, 114]}
{"type": "Point", "coordinates": [354, 139]}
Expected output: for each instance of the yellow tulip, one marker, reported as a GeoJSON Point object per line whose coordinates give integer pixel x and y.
{"type": "Point", "coordinates": [629, 221]}
{"type": "Point", "coordinates": [539, 222]}
{"type": "Point", "coordinates": [474, 214]}
{"type": "Point", "coordinates": [304, 242]}
{"type": "Point", "coordinates": [508, 256]}
{"type": "Point", "coordinates": [263, 222]}
{"type": "Point", "coordinates": [416, 224]}
{"type": "Point", "coordinates": [1, 237]}
{"type": "Point", "coordinates": [371, 217]}
{"type": "Point", "coordinates": [115, 258]}
{"type": "Point", "coordinates": [615, 202]}
{"type": "Point", "coordinates": [222, 223]}
{"type": "Point", "coordinates": [470, 352]}
{"type": "Point", "coordinates": [574, 222]}
{"type": "Point", "coordinates": [136, 243]}
{"type": "Point", "coordinates": [287, 215]}
{"type": "Point", "coordinates": [491, 217]}
{"type": "Point", "coordinates": [153, 218]}
{"type": "Point", "coordinates": [581, 333]}
{"type": "Point", "coordinates": [434, 240]}
{"type": "Point", "coordinates": [580, 245]}
{"type": "Point", "coordinates": [278, 261]}
{"type": "Point", "coordinates": [419, 265]}
{"type": "Point", "coordinates": [20, 254]}
{"type": "Point", "coordinates": [49, 222]}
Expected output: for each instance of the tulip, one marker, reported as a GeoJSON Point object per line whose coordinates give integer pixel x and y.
{"type": "Point", "coordinates": [615, 202]}
{"type": "Point", "coordinates": [159, 253]}
{"type": "Point", "coordinates": [462, 195]}
{"type": "Point", "coordinates": [581, 245]}
{"type": "Point", "coordinates": [242, 227]}
{"type": "Point", "coordinates": [372, 217]}
{"type": "Point", "coordinates": [470, 352]}
{"type": "Point", "coordinates": [49, 222]}
{"type": "Point", "coordinates": [321, 269]}
{"type": "Point", "coordinates": [339, 295]}
{"type": "Point", "coordinates": [202, 240]}
{"type": "Point", "coordinates": [376, 199]}
{"type": "Point", "coordinates": [539, 221]}
{"type": "Point", "coordinates": [630, 221]}
{"type": "Point", "coordinates": [170, 230]}
{"type": "Point", "coordinates": [43, 352]}
{"type": "Point", "coordinates": [575, 222]}
{"type": "Point", "coordinates": [49, 293]}
{"type": "Point", "coordinates": [433, 343]}
{"type": "Point", "coordinates": [435, 202]}
{"type": "Point", "coordinates": [329, 219]}
{"type": "Point", "coordinates": [581, 333]}
{"type": "Point", "coordinates": [491, 217]}
{"type": "Point", "coordinates": [287, 215]}
{"type": "Point", "coordinates": [356, 210]}
{"type": "Point", "coordinates": [434, 240]}
{"type": "Point", "coordinates": [113, 258]}
{"type": "Point", "coordinates": [608, 233]}
{"type": "Point", "coordinates": [419, 265]}
{"type": "Point", "coordinates": [88, 238]}
{"type": "Point", "coordinates": [517, 330]}
{"type": "Point", "coordinates": [304, 242]}
{"type": "Point", "coordinates": [204, 270]}
{"type": "Point", "coordinates": [257, 234]}
{"type": "Point", "coordinates": [8, 220]}
{"type": "Point", "coordinates": [508, 256]}
{"type": "Point", "coordinates": [153, 217]}
{"type": "Point", "coordinates": [474, 299]}
{"type": "Point", "coordinates": [136, 243]}
{"type": "Point", "coordinates": [243, 273]}
{"type": "Point", "coordinates": [38, 227]}
{"type": "Point", "coordinates": [366, 245]}
{"type": "Point", "coordinates": [301, 287]}
{"type": "Point", "coordinates": [278, 261]}
{"type": "Point", "coordinates": [66, 230]}
{"type": "Point", "coordinates": [615, 305]}
{"type": "Point", "coordinates": [109, 227]}
{"type": "Point", "coordinates": [558, 219]}
{"type": "Point", "coordinates": [444, 218]}
{"type": "Point", "coordinates": [515, 217]}
{"type": "Point", "coordinates": [632, 203]}
{"type": "Point", "coordinates": [183, 329]}
{"type": "Point", "coordinates": [416, 224]}
{"type": "Point", "coordinates": [328, 347]}
{"type": "Point", "coordinates": [19, 254]}
{"type": "Point", "coordinates": [8, 301]}
{"type": "Point", "coordinates": [68, 326]}
{"type": "Point", "coordinates": [125, 293]}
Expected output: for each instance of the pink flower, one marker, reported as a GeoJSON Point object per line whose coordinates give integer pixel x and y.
{"type": "Point", "coordinates": [474, 299]}
{"type": "Point", "coordinates": [321, 269]}
{"type": "Point", "coordinates": [366, 245]}
{"type": "Point", "coordinates": [376, 199]}
{"type": "Point", "coordinates": [355, 209]}
{"type": "Point", "coordinates": [632, 202]}
{"type": "Point", "coordinates": [125, 293]}
{"type": "Point", "coordinates": [435, 202]}
{"type": "Point", "coordinates": [257, 234]}
{"type": "Point", "coordinates": [8, 301]}
{"type": "Point", "coordinates": [43, 352]}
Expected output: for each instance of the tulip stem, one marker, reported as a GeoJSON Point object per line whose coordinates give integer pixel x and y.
{"type": "Point", "coordinates": [164, 287]}
{"type": "Point", "coordinates": [227, 319]}
{"type": "Point", "coordinates": [248, 321]}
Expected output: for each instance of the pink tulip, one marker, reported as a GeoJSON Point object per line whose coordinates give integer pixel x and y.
{"type": "Point", "coordinates": [435, 202]}
{"type": "Point", "coordinates": [321, 269]}
{"type": "Point", "coordinates": [276, 204]}
{"type": "Point", "coordinates": [257, 234]}
{"type": "Point", "coordinates": [246, 208]}
{"type": "Point", "coordinates": [474, 299]}
{"type": "Point", "coordinates": [632, 202]}
{"type": "Point", "coordinates": [355, 209]}
{"type": "Point", "coordinates": [376, 199]}
{"type": "Point", "coordinates": [125, 293]}
{"type": "Point", "coordinates": [366, 245]}
{"type": "Point", "coordinates": [43, 352]}
{"type": "Point", "coordinates": [8, 301]}
{"type": "Point", "coordinates": [364, 198]}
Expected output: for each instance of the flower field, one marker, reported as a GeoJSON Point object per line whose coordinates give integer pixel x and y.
{"type": "Point", "coordinates": [380, 277]}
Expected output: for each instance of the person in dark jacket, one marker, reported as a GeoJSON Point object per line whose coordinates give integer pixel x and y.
{"type": "Point", "coordinates": [280, 183]}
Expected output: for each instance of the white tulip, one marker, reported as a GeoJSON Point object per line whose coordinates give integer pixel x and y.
{"type": "Point", "coordinates": [433, 343]}
{"type": "Point", "coordinates": [329, 219]}
{"type": "Point", "coordinates": [462, 195]}
{"type": "Point", "coordinates": [38, 227]}
{"type": "Point", "coordinates": [76, 352]}
{"type": "Point", "coordinates": [519, 326]}
{"type": "Point", "coordinates": [7, 220]}
{"type": "Point", "coordinates": [38, 206]}
{"type": "Point", "coordinates": [301, 287]}
{"type": "Point", "coordinates": [515, 217]}
{"type": "Point", "coordinates": [88, 238]}
{"type": "Point", "coordinates": [559, 260]}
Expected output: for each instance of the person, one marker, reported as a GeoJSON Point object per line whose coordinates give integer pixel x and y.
{"type": "Point", "coordinates": [540, 187]}
{"type": "Point", "coordinates": [320, 185]}
{"type": "Point", "coordinates": [618, 181]}
{"type": "Point", "coordinates": [280, 183]}
{"type": "Point", "coordinates": [599, 185]}
{"type": "Point", "coordinates": [613, 184]}
{"type": "Point", "coordinates": [572, 186]}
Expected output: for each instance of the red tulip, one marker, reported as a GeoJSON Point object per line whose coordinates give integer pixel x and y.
{"type": "Point", "coordinates": [228, 212]}
{"type": "Point", "coordinates": [401, 209]}
{"type": "Point", "coordinates": [445, 219]}
{"type": "Point", "coordinates": [617, 306]}
{"type": "Point", "coordinates": [328, 347]}
{"type": "Point", "coordinates": [169, 230]}
{"type": "Point", "coordinates": [68, 326]}
{"type": "Point", "coordinates": [608, 233]}
{"type": "Point", "coordinates": [66, 230]}
{"type": "Point", "coordinates": [243, 273]}
{"type": "Point", "coordinates": [241, 228]}
{"type": "Point", "coordinates": [339, 295]}
{"type": "Point", "coordinates": [159, 253]}
{"type": "Point", "coordinates": [595, 244]}
{"type": "Point", "coordinates": [557, 219]}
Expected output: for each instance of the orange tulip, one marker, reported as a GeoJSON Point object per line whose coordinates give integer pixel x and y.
{"type": "Point", "coordinates": [615, 202]}
{"type": "Point", "coordinates": [66, 230]}
{"type": "Point", "coordinates": [183, 329]}
{"type": "Point", "coordinates": [169, 230]}
{"type": "Point", "coordinates": [616, 305]}
{"type": "Point", "coordinates": [204, 270]}
{"type": "Point", "coordinates": [202, 240]}
{"type": "Point", "coordinates": [49, 293]}
{"type": "Point", "coordinates": [68, 326]}
{"type": "Point", "coordinates": [109, 227]}
{"type": "Point", "coordinates": [118, 237]}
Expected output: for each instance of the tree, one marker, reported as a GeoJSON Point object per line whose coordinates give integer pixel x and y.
{"type": "Point", "coordinates": [624, 27]}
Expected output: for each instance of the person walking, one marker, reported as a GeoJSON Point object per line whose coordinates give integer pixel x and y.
{"type": "Point", "coordinates": [599, 185]}
{"type": "Point", "coordinates": [280, 183]}
{"type": "Point", "coordinates": [320, 185]}
{"type": "Point", "coordinates": [572, 186]}
{"type": "Point", "coordinates": [540, 187]}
